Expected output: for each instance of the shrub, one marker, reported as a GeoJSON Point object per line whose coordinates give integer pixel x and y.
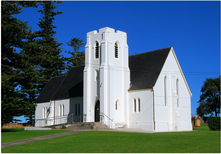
{"type": "Point", "coordinates": [63, 127]}
{"type": "Point", "coordinates": [214, 123]}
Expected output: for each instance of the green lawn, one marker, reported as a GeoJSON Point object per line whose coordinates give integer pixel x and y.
{"type": "Point", "coordinates": [15, 134]}
{"type": "Point", "coordinates": [124, 142]}
{"type": "Point", "coordinates": [203, 126]}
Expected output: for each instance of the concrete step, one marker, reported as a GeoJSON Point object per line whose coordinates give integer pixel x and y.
{"type": "Point", "coordinates": [88, 125]}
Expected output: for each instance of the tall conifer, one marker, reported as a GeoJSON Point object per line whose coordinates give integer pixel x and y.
{"type": "Point", "coordinates": [14, 31]}
{"type": "Point", "coordinates": [77, 58]}
{"type": "Point", "coordinates": [49, 56]}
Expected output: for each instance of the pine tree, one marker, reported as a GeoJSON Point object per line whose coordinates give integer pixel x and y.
{"type": "Point", "coordinates": [210, 97]}
{"type": "Point", "coordinates": [13, 33]}
{"type": "Point", "coordinates": [43, 60]}
{"type": "Point", "coordinates": [48, 57]}
{"type": "Point", "coordinates": [77, 58]}
{"type": "Point", "coordinates": [29, 76]}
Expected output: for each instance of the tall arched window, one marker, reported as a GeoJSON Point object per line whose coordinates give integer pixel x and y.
{"type": "Point", "coordinates": [46, 112]}
{"type": "Point", "coordinates": [135, 105]}
{"type": "Point", "coordinates": [60, 110]}
{"type": "Point", "coordinates": [97, 50]}
{"type": "Point", "coordinates": [165, 90]}
{"type": "Point", "coordinates": [177, 92]}
{"type": "Point", "coordinates": [116, 105]}
{"type": "Point", "coordinates": [63, 110]}
{"type": "Point", "coordinates": [43, 112]}
{"type": "Point", "coordinates": [116, 50]}
{"type": "Point", "coordinates": [138, 104]}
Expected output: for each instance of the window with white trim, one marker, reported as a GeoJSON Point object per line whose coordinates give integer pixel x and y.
{"type": "Point", "coordinates": [63, 110]}
{"type": "Point", "coordinates": [116, 50]}
{"type": "Point", "coordinates": [43, 112]}
{"type": "Point", "coordinates": [116, 105]}
{"type": "Point", "coordinates": [135, 105]}
{"type": "Point", "coordinates": [138, 104]}
{"type": "Point", "coordinates": [96, 50]}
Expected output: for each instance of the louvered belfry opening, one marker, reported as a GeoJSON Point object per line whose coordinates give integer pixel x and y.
{"type": "Point", "coordinates": [97, 50]}
{"type": "Point", "coordinates": [116, 50]}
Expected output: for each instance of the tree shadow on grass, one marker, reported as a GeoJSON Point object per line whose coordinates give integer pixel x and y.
{"type": "Point", "coordinates": [5, 130]}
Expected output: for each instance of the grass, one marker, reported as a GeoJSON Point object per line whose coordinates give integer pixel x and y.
{"type": "Point", "coordinates": [16, 134]}
{"type": "Point", "coordinates": [199, 141]}
{"type": "Point", "coordinates": [203, 126]}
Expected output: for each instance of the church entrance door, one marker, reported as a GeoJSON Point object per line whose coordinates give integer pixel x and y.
{"type": "Point", "coordinates": [97, 112]}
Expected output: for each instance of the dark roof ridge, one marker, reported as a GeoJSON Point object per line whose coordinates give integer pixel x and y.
{"type": "Point", "coordinates": [149, 51]}
{"type": "Point", "coordinates": [77, 66]}
{"type": "Point", "coordinates": [58, 76]}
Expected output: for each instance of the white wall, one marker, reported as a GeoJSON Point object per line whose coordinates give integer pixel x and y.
{"type": "Point", "coordinates": [39, 114]}
{"type": "Point", "coordinates": [49, 119]}
{"type": "Point", "coordinates": [144, 118]}
{"type": "Point", "coordinates": [60, 118]}
{"type": "Point", "coordinates": [170, 117]}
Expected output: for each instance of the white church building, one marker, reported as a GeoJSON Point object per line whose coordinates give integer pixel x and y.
{"type": "Point", "coordinates": [146, 91]}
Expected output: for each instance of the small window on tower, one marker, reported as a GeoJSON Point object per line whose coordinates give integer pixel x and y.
{"type": "Point", "coordinates": [116, 50]}
{"type": "Point", "coordinates": [97, 50]}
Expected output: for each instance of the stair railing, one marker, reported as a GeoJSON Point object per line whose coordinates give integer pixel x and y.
{"type": "Point", "coordinates": [72, 118]}
{"type": "Point", "coordinates": [110, 120]}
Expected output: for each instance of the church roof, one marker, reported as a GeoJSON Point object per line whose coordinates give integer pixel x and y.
{"type": "Point", "coordinates": [146, 67]}
{"type": "Point", "coordinates": [62, 87]}
{"type": "Point", "coordinates": [144, 71]}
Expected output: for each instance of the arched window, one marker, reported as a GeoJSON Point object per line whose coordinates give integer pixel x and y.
{"type": "Point", "coordinates": [116, 105]}
{"type": "Point", "coordinates": [97, 50]}
{"type": "Point", "coordinates": [46, 112]}
{"type": "Point", "coordinates": [177, 92]}
{"type": "Point", "coordinates": [135, 105]}
{"type": "Point", "coordinates": [138, 104]}
{"type": "Point", "coordinates": [165, 90]}
{"type": "Point", "coordinates": [43, 112]}
{"type": "Point", "coordinates": [63, 110]}
{"type": "Point", "coordinates": [60, 110]}
{"type": "Point", "coordinates": [116, 50]}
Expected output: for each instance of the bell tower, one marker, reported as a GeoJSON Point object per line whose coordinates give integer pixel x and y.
{"type": "Point", "coordinates": [106, 77]}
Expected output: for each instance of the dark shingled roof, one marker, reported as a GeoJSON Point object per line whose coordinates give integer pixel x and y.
{"type": "Point", "coordinates": [146, 67]}
{"type": "Point", "coordinates": [62, 87]}
{"type": "Point", "coordinates": [49, 89]}
{"type": "Point", "coordinates": [144, 71]}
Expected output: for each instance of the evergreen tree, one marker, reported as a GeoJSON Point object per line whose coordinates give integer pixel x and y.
{"type": "Point", "coordinates": [77, 58]}
{"type": "Point", "coordinates": [210, 97]}
{"type": "Point", "coordinates": [49, 59]}
{"type": "Point", "coordinates": [29, 76]}
{"type": "Point", "coordinates": [13, 33]}
{"type": "Point", "coordinates": [43, 61]}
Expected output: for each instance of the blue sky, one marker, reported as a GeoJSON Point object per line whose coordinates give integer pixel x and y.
{"type": "Point", "coordinates": [191, 28]}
